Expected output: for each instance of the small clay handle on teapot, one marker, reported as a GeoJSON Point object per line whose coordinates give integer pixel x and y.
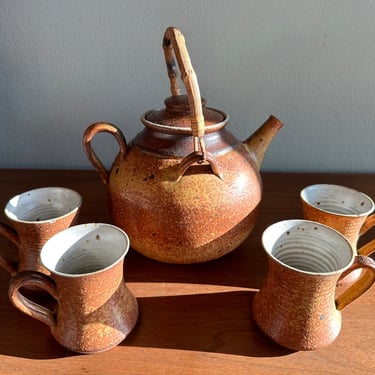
{"type": "Point", "coordinates": [366, 279]}
{"type": "Point", "coordinates": [27, 306]}
{"type": "Point", "coordinates": [174, 41]}
{"type": "Point", "coordinates": [9, 233]}
{"type": "Point", "coordinates": [89, 134]}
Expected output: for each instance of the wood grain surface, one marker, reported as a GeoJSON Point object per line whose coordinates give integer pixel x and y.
{"type": "Point", "coordinates": [194, 319]}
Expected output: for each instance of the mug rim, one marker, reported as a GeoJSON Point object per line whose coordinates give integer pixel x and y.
{"type": "Point", "coordinates": [289, 223]}
{"type": "Point", "coordinates": [56, 238]}
{"type": "Point", "coordinates": [303, 196]}
{"type": "Point", "coordinates": [14, 218]}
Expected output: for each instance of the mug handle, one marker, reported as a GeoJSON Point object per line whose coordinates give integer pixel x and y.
{"type": "Point", "coordinates": [365, 281]}
{"type": "Point", "coordinates": [9, 233]}
{"type": "Point", "coordinates": [368, 224]}
{"type": "Point", "coordinates": [27, 306]}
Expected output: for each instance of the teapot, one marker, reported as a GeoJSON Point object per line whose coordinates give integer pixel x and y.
{"type": "Point", "coordinates": [185, 190]}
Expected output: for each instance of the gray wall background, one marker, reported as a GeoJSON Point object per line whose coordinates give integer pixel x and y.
{"type": "Point", "coordinates": [65, 64]}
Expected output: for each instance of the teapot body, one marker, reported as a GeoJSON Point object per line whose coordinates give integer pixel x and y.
{"type": "Point", "coordinates": [191, 219]}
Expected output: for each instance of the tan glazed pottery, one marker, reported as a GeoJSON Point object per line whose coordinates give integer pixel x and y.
{"type": "Point", "coordinates": [349, 211]}
{"type": "Point", "coordinates": [297, 306]}
{"type": "Point", "coordinates": [35, 216]}
{"type": "Point", "coordinates": [94, 309]}
{"type": "Point", "coordinates": [185, 189]}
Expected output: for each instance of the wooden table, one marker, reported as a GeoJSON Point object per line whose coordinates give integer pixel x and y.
{"type": "Point", "coordinates": [194, 319]}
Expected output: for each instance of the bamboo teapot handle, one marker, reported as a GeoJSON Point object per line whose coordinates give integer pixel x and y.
{"type": "Point", "coordinates": [174, 45]}
{"type": "Point", "coordinates": [174, 41]}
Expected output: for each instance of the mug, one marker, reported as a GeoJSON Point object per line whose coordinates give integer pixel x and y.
{"type": "Point", "coordinates": [35, 216]}
{"type": "Point", "coordinates": [296, 306]}
{"type": "Point", "coordinates": [347, 210]}
{"type": "Point", "coordinates": [342, 208]}
{"type": "Point", "coordinates": [94, 310]}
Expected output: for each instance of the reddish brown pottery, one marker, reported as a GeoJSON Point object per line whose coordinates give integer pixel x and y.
{"type": "Point", "coordinates": [35, 216]}
{"type": "Point", "coordinates": [296, 307]}
{"type": "Point", "coordinates": [185, 190]}
{"type": "Point", "coordinates": [349, 211]}
{"type": "Point", "coordinates": [94, 309]}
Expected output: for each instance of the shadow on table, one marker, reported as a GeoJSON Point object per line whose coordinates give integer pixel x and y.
{"type": "Point", "coordinates": [217, 322]}
{"type": "Point", "coordinates": [212, 322]}
{"type": "Point", "coordinates": [28, 338]}
{"type": "Point", "coordinates": [245, 267]}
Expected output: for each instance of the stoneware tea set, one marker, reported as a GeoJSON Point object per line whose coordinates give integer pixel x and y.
{"type": "Point", "coordinates": [185, 191]}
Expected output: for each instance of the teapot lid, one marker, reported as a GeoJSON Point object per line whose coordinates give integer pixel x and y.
{"type": "Point", "coordinates": [177, 115]}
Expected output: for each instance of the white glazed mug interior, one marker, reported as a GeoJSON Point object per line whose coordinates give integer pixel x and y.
{"type": "Point", "coordinates": [43, 204]}
{"type": "Point", "coordinates": [308, 247]}
{"type": "Point", "coordinates": [84, 249]}
{"type": "Point", "coordinates": [336, 199]}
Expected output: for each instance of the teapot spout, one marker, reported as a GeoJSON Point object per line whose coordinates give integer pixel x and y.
{"type": "Point", "coordinates": [257, 144]}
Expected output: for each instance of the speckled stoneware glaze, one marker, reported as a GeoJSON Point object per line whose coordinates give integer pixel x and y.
{"type": "Point", "coordinates": [342, 208]}
{"type": "Point", "coordinates": [35, 216]}
{"type": "Point", "coordinates": [347, 210]}
{"type": "Point", "coordinates": [185, 189]}
{"type": "Point", "coordinates": [296, 307]}
{"type": "Point", "coordinates": [94, 310]}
